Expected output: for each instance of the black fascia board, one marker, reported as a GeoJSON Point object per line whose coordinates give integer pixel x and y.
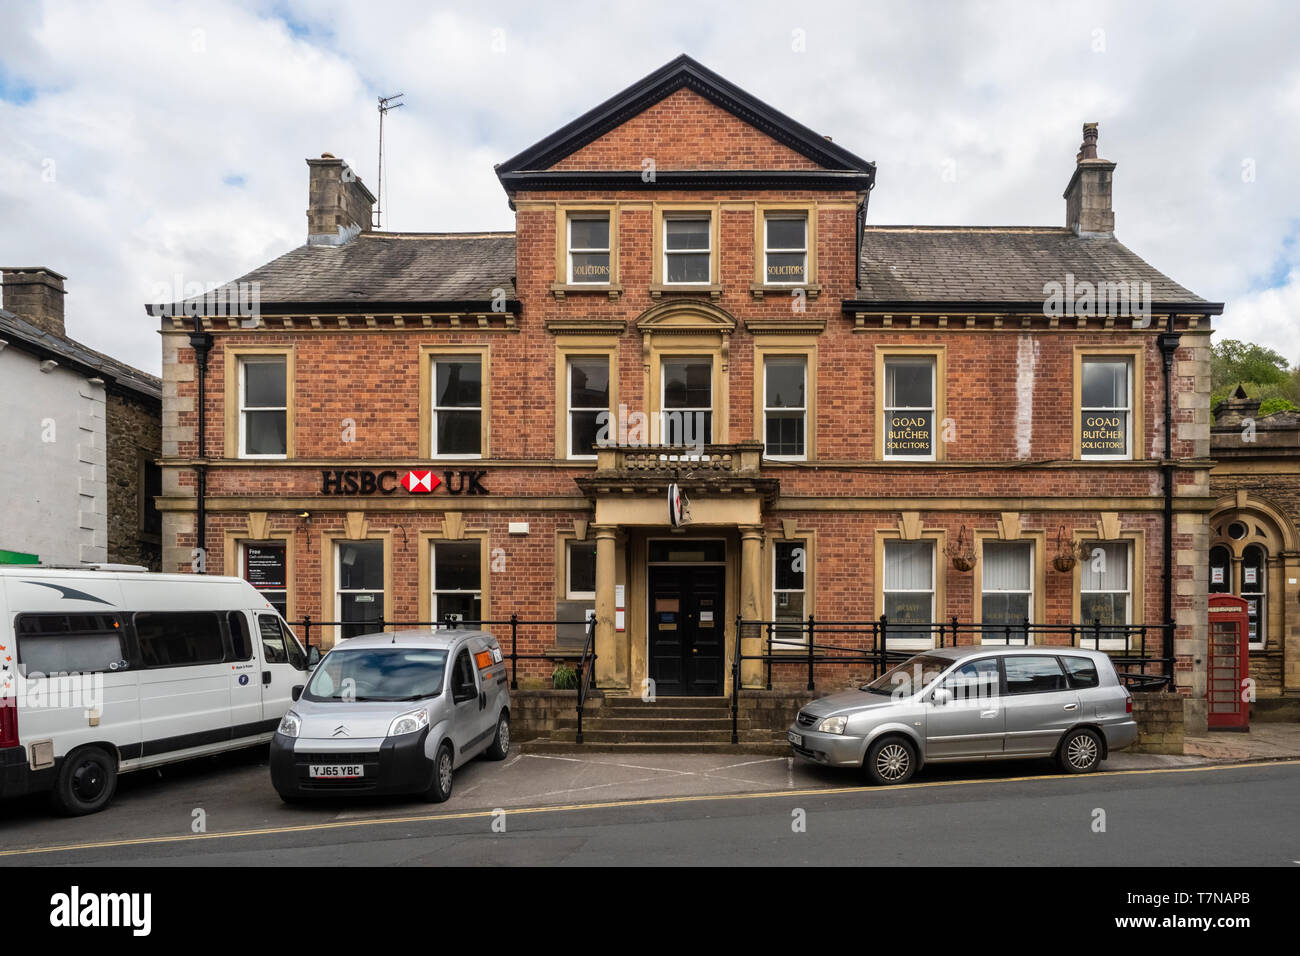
{"type": "Point", "coordinates": [543, 180]}
{"type": "Point", "coordinates": [951, 306]}
{"type": "Point", "coordinates": [354, 307]}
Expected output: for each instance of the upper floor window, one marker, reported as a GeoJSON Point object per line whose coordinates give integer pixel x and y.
{"type": "Point", "coordinates": [457, 407]}
{"type": "Point", "coordinates": [686, 416]}
{"type": "Point", "coordinates": [588, 391]}
{"type": "Point", "coordinates": [785, 249]}
{"type": "Point", "coordinates": [785, 407]}
{"type": "Point", "coordinates": [1106, 408]}
{"type": "Point", "coordinates": [909, 408]}
{"type": "Point", "coordinates": [263, 407]}
{"type": "Point", "coordinates": [687, 250]}
{"type": "Point", "coordinates": [589, 259]}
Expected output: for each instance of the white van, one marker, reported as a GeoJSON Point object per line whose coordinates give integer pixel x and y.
{"type": "Point", "coordinates": [108, 671]}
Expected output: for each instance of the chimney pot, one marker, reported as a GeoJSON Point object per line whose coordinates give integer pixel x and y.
{"type": "Point", "coordinates": [36, 294]}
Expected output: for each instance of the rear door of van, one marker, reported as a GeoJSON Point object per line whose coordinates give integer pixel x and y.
{"type": "Point", "coordinates": [66, 644]}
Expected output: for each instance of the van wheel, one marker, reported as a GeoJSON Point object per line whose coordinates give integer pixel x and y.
{"type": "Point", "coordinates": [500, 748]}
{"type": "Point", "coordinates": [1080, 751]}
{"type": "Point", "coordinates": [442, 769]}
{"type": "Point", "coordinates": [891, 760]}
{"type": "Point", "coordinates": [86, 782]}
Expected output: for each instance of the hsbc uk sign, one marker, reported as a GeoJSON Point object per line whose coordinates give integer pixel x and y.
{"type": "Point", "coordinates": [415, 481]}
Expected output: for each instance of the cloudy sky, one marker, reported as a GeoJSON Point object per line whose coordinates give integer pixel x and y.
{"type": "Point", "coordinates": [146, 143]}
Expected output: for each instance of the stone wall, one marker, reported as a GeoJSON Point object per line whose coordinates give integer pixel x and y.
{"type": "Point", "coordinates": [1160, 723]}
{"type": "Point", "coordinates": [134, 437]}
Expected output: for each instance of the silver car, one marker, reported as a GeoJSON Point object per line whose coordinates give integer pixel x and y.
{"type": "Point", "coordinates": [972, 703]}
{"type": "Point", "coordinates": [394, 713]}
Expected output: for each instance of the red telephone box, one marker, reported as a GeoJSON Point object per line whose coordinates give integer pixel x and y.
{"type": "Point", "coordinates": [1229, 663]}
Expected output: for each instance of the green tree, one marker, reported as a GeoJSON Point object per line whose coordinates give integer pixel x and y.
{"type": "Point", "coordinates": [1263, 372]}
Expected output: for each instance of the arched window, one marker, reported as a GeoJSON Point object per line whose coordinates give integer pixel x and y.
{"type": "Point", "coordinates": [1220, 571]}
{"type": "Point", "coordinates": [1254, 588]}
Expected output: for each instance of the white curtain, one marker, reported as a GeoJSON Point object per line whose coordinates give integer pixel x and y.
{"type": "Point", "coordinates": [1006, 566]}
{"type": "Point", "coordinates": [909, 565]}
{"type": "Point", "coordinates": [1110, 571]}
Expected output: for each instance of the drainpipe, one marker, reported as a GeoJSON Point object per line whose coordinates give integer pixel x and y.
{"type": "Point", "coordinates": [201, 342]}
{"type": "Point", "coordinates": [1168, 342]}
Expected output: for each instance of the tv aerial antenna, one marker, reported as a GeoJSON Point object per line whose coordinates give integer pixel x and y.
{"type": "Point", "coordinates": [386, 103]}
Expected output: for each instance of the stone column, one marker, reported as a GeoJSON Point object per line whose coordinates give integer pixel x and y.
{"type": "Point", "coordinates": [751, 604]}
{"type": "Point", "coordinates": [611, 667]}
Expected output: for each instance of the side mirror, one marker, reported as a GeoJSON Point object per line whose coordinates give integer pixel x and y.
{"type": "Point", "coordinates": [313, 657]}
{"type": "Point", "coordinates": [942, 697]}
{"type": "Point", "coordinates": [297, 691]}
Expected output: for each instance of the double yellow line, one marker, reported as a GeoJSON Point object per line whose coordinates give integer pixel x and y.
{"type": "Point", "coordinates": [615, 804]}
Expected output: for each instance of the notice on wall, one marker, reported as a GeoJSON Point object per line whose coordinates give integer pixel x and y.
{"type": "Point", "coordinates": [1103, 434]}
{"type": "Point", "coordinates": [909, 433]}
{"type": "Point", "coordinates": [1216, 575]}
{"type": "Point", "coordinates": [1250, 575]}
{"type": "Point", "coordinates": [264, 565]}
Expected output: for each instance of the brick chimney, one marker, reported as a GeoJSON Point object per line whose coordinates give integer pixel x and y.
{"type": "Point", "coordinates": [36, 294]}
{"type": "Point", "coordinates": [338, 204]}
{"type": "Point", "coordinates": [1087, 199]}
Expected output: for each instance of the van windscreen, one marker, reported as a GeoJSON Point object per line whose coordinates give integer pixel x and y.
{"type": "Point", "coordinates": [378, 674]}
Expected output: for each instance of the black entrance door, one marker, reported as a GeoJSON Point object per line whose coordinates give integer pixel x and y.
{"type": "Point", "coordinates": [687, 622]}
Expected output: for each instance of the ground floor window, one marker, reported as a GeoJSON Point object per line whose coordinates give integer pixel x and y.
{"type": "Point", "coordinates": [909, 589]}
{"type": "Point", "coordinates": [580, 571]}
{"type": "Point", "coordinates": [789, 590]}
{"type": "Point", "coordinates": [457, 581]}
{"type": "Point", "coordinates": [1106, 590]}
{"type": "Point", "coordinates": [1254, 590]}
{"type": "Point", "coordinates": [1007, 589]}
{"type": "Point", "coordinates": [359, 593]}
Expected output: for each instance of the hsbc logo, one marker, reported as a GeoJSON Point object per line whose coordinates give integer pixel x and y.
{"type": "Point", "coordinates": [420, 482]}
{"type": "Point", "coordinates": [415, 482]}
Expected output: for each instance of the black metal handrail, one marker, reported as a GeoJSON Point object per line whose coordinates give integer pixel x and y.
{"type": "Point", "coordinates": [514, 622]}
{"type": "Point", "coordinates": [801, 637]}
{"type": "Point", "coordinates": [586, 670]}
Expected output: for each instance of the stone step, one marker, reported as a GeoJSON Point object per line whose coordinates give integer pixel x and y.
{"type": "Point", "coordinates": [718, 736]}
{"type": "Point", "coordinates": [656, 722]}
{"type": "Point", "coordinates": [545, 745]}
{"type": "Point", "coordinates": [649, 713]}
{"type": "Point", "coordinates": [693, 703]}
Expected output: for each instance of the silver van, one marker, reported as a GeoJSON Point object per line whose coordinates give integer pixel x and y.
{"type": "Point", "coordinates": [972, 703]}
{"type": "Point", "coordinates": [396, 712]}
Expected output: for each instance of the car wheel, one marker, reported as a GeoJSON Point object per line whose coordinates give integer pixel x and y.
{"type": "Point", "coordinates": [86, 782]}
{"type": "Point", "coordinates": [443, 765]}
{"type": "Point", "coordinates": [1080, 751]}
{"type": "Point", "coordinates": [891, 760]}
{"type": "Point", "coordinates": [500, 748]}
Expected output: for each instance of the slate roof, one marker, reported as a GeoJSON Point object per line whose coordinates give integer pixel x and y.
{"type": "Point", "coordinates": [996, 264]}
{"type": "Point", "coordinates": [69, 352]}
{"type": "Point", "coordinates": [392, 268]}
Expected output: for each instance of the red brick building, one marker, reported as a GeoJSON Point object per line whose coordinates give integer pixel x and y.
{"type": "Point", "coordinates": [867, 420]}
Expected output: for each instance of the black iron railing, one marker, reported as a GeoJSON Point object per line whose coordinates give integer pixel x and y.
{"type": "Point", "coordinates": [807, 644]}
{"type": "Point", "coordinates": [586, 659]}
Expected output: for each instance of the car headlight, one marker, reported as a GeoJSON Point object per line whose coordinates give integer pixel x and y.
{"type": "Point", "coordinates": [290, 724]}
{"type": "Point", "coordinates": [833, 725]}
{"type": "Point", "coordinates": [409, 723]}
